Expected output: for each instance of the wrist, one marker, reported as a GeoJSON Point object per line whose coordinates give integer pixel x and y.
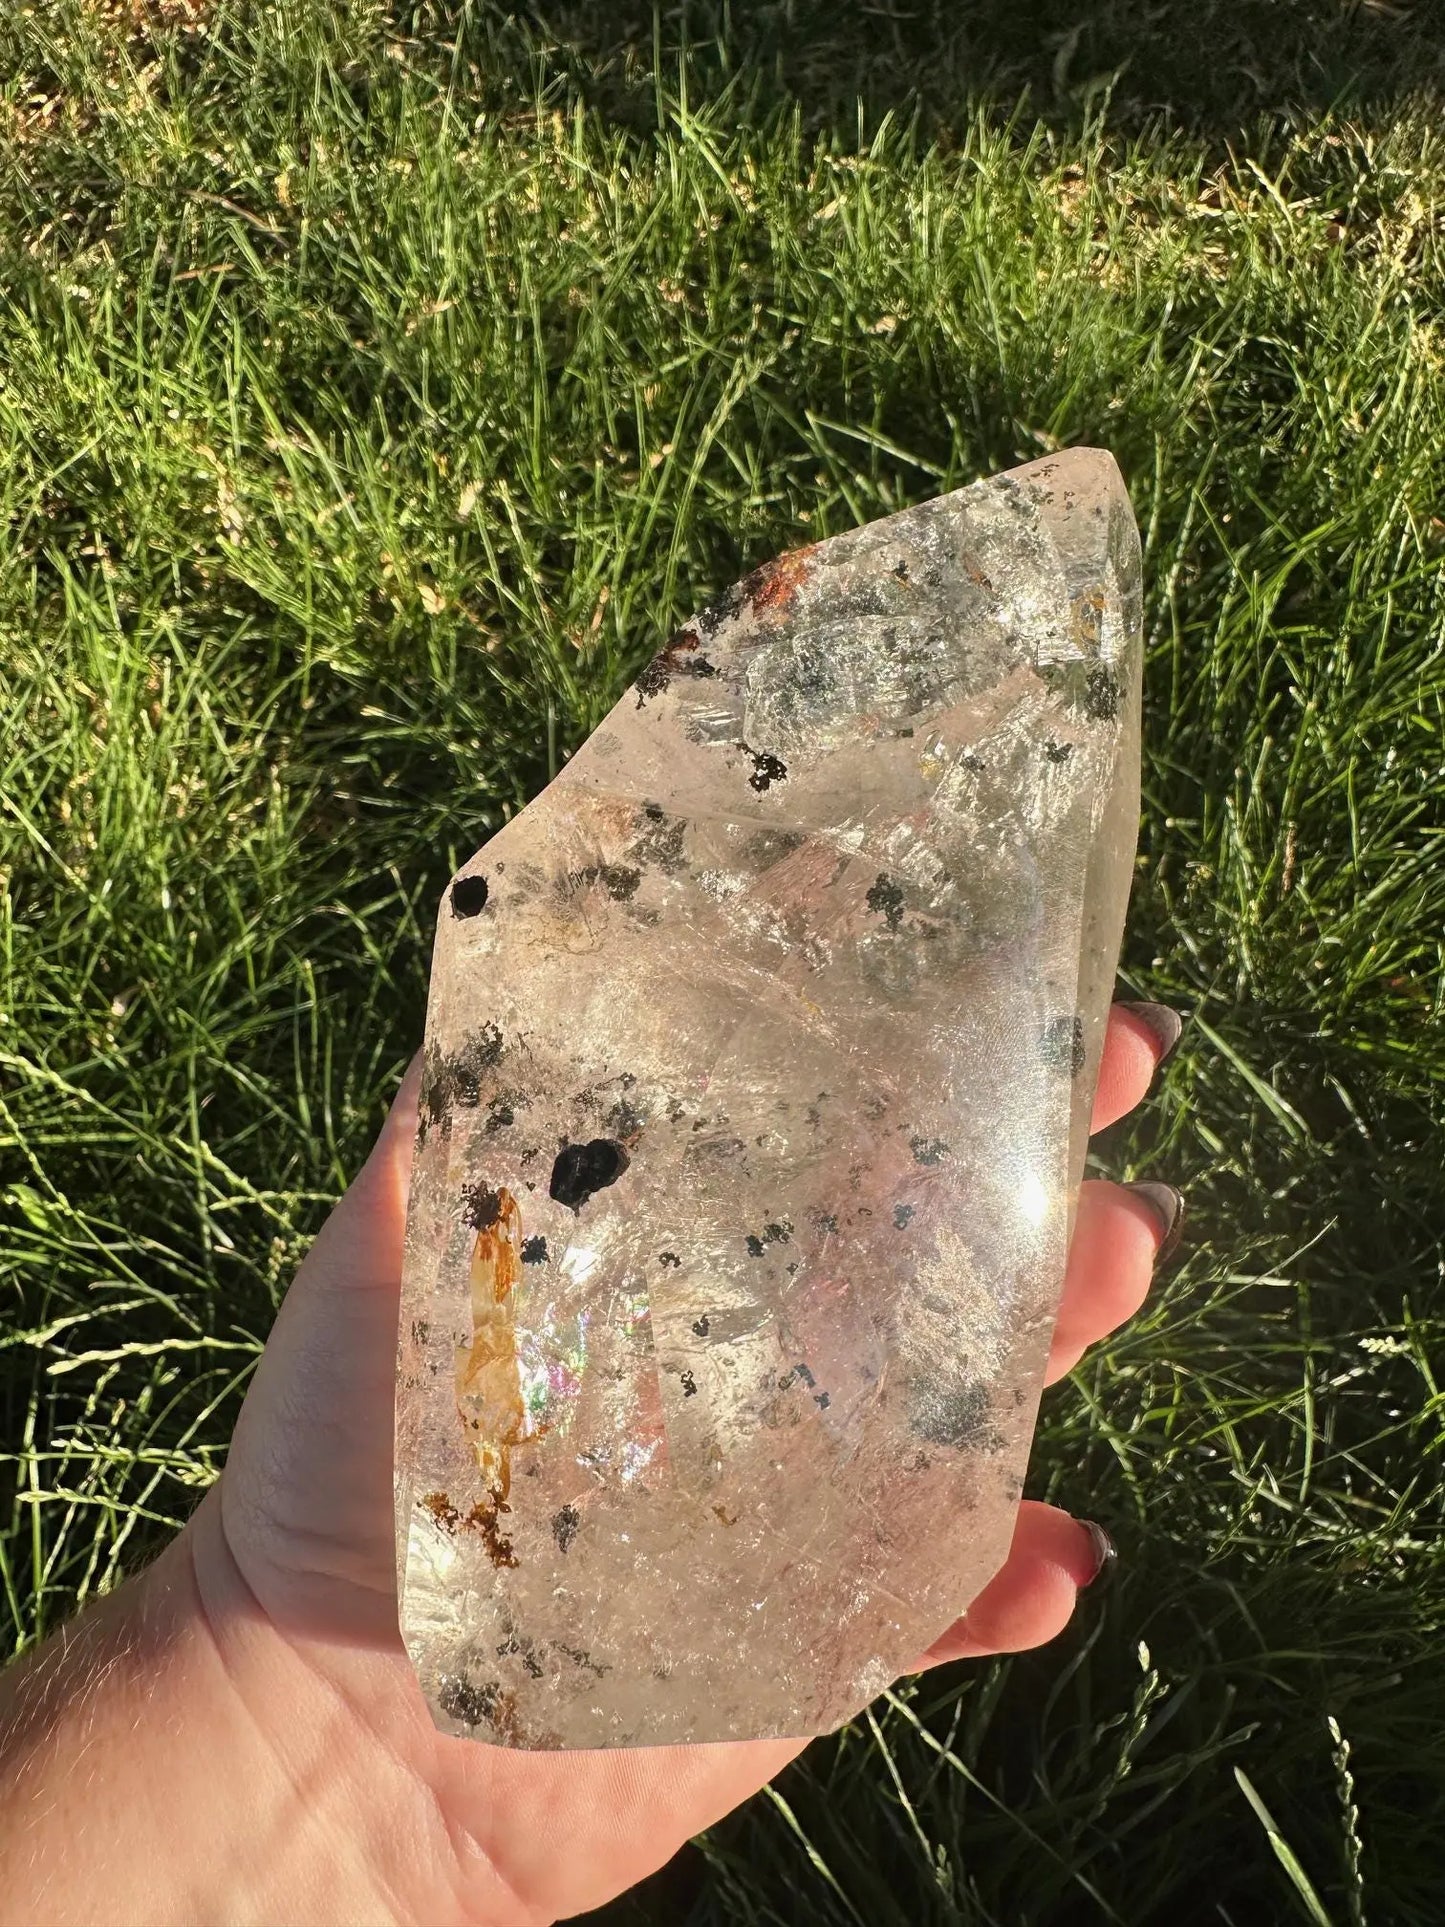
{"type": "Point", "coordinates": [106, 1791]}
{"type": "Point", "coordinates": [170, 1757]}
{"type": "Point", "coordinates": [356, 1825]}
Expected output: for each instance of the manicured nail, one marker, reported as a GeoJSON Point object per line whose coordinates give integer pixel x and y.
{"type": "Point", "coordinates": [1106, 1553]}
{"type": "Point", "coordinates": [1167, 1205]}
{"type": "Point", "coordinates": [1164, 1025]}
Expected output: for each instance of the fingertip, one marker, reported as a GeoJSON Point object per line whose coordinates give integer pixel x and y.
{"type": "Point", "coordinates": [385, 1177]}
{"type": "Point", "coordinates": [1118, 1233]}
{"type": "Point", "coordinates": [1031, 1599]}
{"type": "Point", "coordinates": [1050, 1537]}
{"type": "Point", "coordinates": [1164, 1206]}
{"type": "Point", "coordinates": [405, 1112]}
{"type": "Point", "coordinates": [1139, 1039]}
{"type": "Point", "coordinates": [1033, 1618]}
{"type": "Point", "coordinates": [1164, 1025]}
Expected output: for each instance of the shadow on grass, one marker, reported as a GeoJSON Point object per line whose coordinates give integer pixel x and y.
{"type": "Point", "coordinates": [1212, 67]}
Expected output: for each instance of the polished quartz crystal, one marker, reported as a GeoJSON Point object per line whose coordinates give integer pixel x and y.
{"type": "Point", "coordinates": [759, 1061]}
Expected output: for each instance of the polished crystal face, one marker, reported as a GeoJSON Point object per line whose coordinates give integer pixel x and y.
{"type": "Point", "coordinates": [759, 1061]}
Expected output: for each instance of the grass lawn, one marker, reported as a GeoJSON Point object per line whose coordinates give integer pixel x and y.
{"type": "Point", "coordinates": [377, 387]}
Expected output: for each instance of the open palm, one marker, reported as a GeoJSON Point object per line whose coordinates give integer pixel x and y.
{"type": "Point", "coordinates": [294, 1561]}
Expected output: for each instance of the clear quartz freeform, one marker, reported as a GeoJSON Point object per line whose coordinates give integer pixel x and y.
{"type": "Point", "coordinates": [759, 1060]}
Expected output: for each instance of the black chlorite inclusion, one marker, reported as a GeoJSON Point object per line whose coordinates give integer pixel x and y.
{"type": "Point", "coordinates": [469, 896]}
{"type": "Point", "coordinates": [582, 1169]}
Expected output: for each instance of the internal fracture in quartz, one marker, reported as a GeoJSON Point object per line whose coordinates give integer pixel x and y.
{"type": "Point", "coordinates": [759, 1061]}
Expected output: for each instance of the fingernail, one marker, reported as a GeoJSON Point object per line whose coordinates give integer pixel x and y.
{"type": "Point", "coordinates": [1106, 1553]}
{"type": "Point", "coordinates": [1167, 1205]}
{"type": "Point", "coordinates": [1164, 1025]}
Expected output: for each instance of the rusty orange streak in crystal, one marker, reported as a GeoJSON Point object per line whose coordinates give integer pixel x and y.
{"type": "Point", "coordinates": [776, 584]}
{"type": "Point", "coordinates": [489, 1383]}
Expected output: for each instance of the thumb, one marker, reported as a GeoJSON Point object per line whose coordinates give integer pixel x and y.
{"type": "Point", "coordinates": [306, 1496]}
{"type": "Point", "coordinates": [360, 1245]}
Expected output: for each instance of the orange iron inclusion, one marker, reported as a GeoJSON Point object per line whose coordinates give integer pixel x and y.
{"type": "Point", "coordinates": [489, 1382]}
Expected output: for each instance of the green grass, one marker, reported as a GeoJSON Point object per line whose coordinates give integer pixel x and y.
{"type": "Point", "coordinates": [374, 394]}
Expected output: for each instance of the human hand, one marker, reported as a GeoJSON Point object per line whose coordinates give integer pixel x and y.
{"type": "Point", "coordinates": [294, 1571]}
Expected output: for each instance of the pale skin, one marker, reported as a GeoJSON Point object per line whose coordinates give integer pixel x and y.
{"type": "Point", "coordinates": [235, 1736]}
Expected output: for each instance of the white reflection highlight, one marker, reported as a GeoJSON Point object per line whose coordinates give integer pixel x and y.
{"type": "Point", "coordinates": [1033, 1199]}
{"type": "Point", "coordinates": [636, 1457]}
{"type": "Point", "coordinates": [578, 1264]}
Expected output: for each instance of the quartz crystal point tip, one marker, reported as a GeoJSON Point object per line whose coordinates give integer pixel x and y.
{"type": "Point", "coordinates": [759, 1061]}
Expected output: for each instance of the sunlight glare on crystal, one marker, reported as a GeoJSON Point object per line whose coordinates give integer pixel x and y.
{"type": "Point", "coordinates": [1033, 1199]}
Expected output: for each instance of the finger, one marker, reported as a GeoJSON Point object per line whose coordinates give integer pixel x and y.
{"type": "Point", "coordinates": [1139, 1038]}
{"type": "Point", "coordinates": [1030, 1601]}
{"type": "Point", "coordinates": [307, 1491]}
{"type": "Point", "coordinates": [1119, 1231]}
{"type": "Point", "coordinates": [360, 1244]}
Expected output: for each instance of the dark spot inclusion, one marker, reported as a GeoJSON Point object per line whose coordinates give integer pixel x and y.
{"type": "Point", "coordinates": [460, 1700]}
{"type": "Point", "coordinates": [772, 1234]}
{"type": "Point", "coordinates": [483, 1206]}
{"type": "Point", "coordinates": [447, 1081]}
{"type": "Point", "coordinates": [928, 1150]}
{"type": "Point", "coordinates": [1101, 693]}
{"type": "Point", "coordinates": [534, 1251]}
{"type": "Point", "coordinates": [564, 1526]}
{"type": "Point", "coordinates": [582, 1169]}
{"type": "Point", "coordinates": [619, 880]}
{"type": "Point", "coordinates": [469, 896]}
{"type": "Point", "coordinates": [951, 1415]}
{"type": "Point", "coordinates": [1062, 1044]}
{"type": "Point", "coordinates": [886, 897]}
{"type": "Point", "coordinates": [767, 769]}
